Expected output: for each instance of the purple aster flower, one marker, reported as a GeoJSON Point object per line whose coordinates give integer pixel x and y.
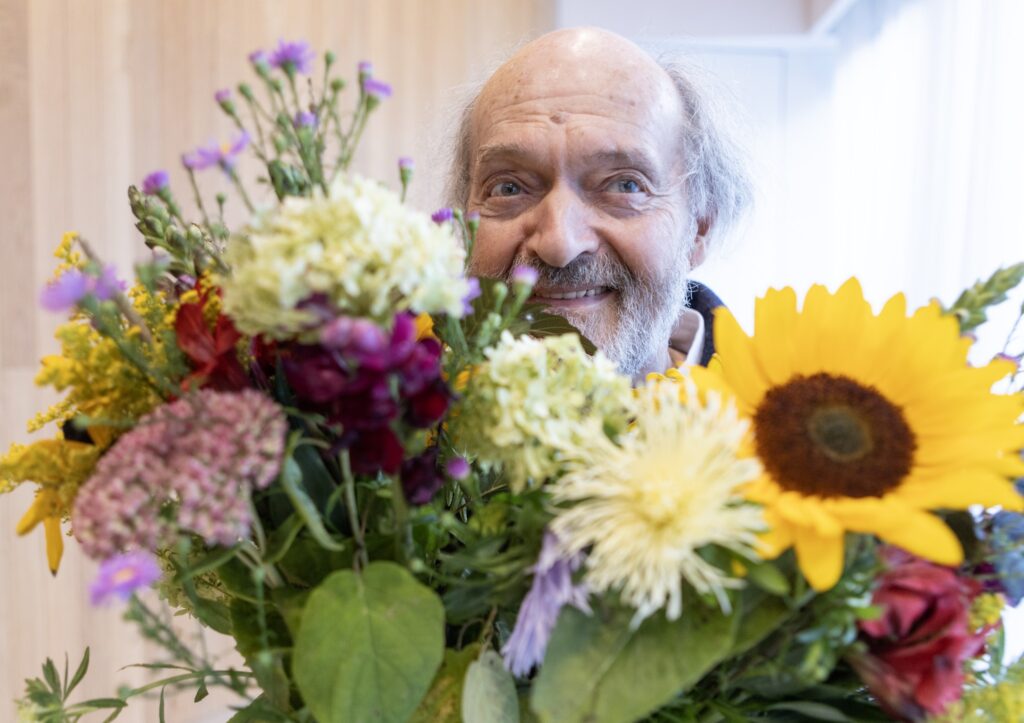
{"type": "Point", "coordinates": [365, 68]}
{"type": "Point", "coordinates": [457, 468]}
{"type": "Point", "coordinates": [155, 182]}
{"type": "Point", "coordinates": [474, 292]}
{"type": "Point", "coordinates": [376, 89]}
{"type": "Point", "coordinates": [406, 164]}
{"type": "Point", "coordinates": [65, 291]}
{"type": "Point", "coordinates": [224, 155]}
{"type": "Point", "coordinates": [259, 57]}
{"type": "Point", "coordinates": [293, 57]}
{"type": "Point", "coordinates": [442, 215]}
{"type": "Point", "coordinates": [222, 96]}
{"type": "Point", "coordinates": [121, 575]}
{"type": "Point", "coordinates": [107, 285]}
{"type": "Point", "coordinates": [552, 589]}
{"type": "Point", "coordinates": [473, 218]}
{"type": "Point", "coordinates": [525, 275]}
{"type": "Point", "coordinates": [304, 119]}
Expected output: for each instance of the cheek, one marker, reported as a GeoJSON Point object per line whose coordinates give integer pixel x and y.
{"type": "Point", "coordinates": [495, 248]}
{"type": "Point", "coordinates": [651, 245]}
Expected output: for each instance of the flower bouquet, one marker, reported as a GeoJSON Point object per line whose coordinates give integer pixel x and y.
{"type": "Point", "coordinates": [410, 494]}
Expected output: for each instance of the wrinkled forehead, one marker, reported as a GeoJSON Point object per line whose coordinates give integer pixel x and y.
{"type": "Point", "coordinates": [580, 88]}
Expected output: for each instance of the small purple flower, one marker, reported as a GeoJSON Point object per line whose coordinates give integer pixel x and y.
{"type": "Point", "coordinates": [222, 96]}
{"type": "Point", "coordinates": [224, 155]}
{"type": "Point", "coordinates": [259, 57]}
{"type": "Point", "coordinates": [365, 68]}
{"type": "Point", "coordinates": [457, 468]}
{"type": "Point", "coordinates": [474, 292]}
{"type": "Point", "coordinates": [107, 285]}
{"type": "Point", "coordinates": [66, 291]}
{"type": "Point", "coordinates": [305, 119]}
{"type": "Point", "coordinates": [406, 164]}
{"type": "Point", "coordinates": [526, 275]}
{"type": "Point", "coordinates": [420, 477]}
{"type": "Point", "coordinates": [552, 589]}
{"type": "Point", "coordinates": [442, 215]}
{"type": "Point", "coordinates": [121, 575]}
{"type": "Point", "coordinates": [155, 182]}
{"type": "Point", "coordinates": [376, 89]}
{"type": "Point", "coordinates": [293, 57]}
{"type": "Point", "coordinates": [473, 218]}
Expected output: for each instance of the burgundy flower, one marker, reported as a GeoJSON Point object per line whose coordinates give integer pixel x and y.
{"type": "Point", "coordinates": [421, 479]}
{"type": "Point", "coordinates": [428, 407]}
{"type": "Point", "coordinates": [314, 373]}
{"type": "Point", "coordinates": [918, 646]}
{"type": "Point", "coordinates": [376, 450]}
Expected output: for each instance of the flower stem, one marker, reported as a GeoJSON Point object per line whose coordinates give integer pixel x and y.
{"type": "Point", "coordinates": [349, 481]}
{"type": "Point", "coordinates": [199, 199]}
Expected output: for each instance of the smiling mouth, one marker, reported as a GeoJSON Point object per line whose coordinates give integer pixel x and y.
{"type": "Point", "coordinates": [574, 297]}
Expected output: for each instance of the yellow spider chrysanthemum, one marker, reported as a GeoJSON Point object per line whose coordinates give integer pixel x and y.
{"type": "Point", "coordinates": [864, 423]}
{"type": "Point", "coordinates": [645, 505]}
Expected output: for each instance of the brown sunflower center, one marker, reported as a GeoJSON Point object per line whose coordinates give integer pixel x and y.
{"type": "Point", "coordinates": [831, 436]}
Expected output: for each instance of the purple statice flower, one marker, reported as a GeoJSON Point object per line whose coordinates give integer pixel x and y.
{"type": "Point", "coordinates": [442, 215]}
{"type": "Point", "coordinates": [525, 275]}
{"type": "Point", "coordinates": [224, 155]}
{"type": "Point", "coordinates": [295, 57]}
{"type": "Point", "coordinates": [552, 589]}
{"type": "Point", "coordinates": [376, 89]}
{"type": "Point", "coordinates": [457, 468]}
{"type": "Point", "coordinates": [473, 292]}
{"type": "Point", "coordinates": [123, 574]}
{"type": "Point", "coordinates": [304, 119]}
{"type": "Point", "coordinates": [190, 465]}
{"type": "Point", "coordinates": [155, 182]}
{"type": "Point", "coordinates": [107, 285]}
{"type": "Point", "coordinates": [63, 293]}
{"type": "Point", "coordinates": [406, 164]}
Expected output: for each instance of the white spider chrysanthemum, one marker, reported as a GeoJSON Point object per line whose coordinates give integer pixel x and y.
{"type": "Point", "coordinates": [645, 506]}
{"type": "Point", "coordinates": [357, 246]}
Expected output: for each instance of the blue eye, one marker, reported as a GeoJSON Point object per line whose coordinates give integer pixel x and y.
{"type": "Point", "coordinates": [506, 188]}
{"type": "Point", "coordinates": [625, 185]}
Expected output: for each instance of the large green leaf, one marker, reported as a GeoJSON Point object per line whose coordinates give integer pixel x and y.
{"type": "Point", "coordinates": [597, 669]}
{"type": "Point", "coordinates": [489, 695]}
{"type": "Point", "coordinates": [368, 645]}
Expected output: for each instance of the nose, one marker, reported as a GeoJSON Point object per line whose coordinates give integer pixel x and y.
{"type": "Point", "coordinates": [562, 228]}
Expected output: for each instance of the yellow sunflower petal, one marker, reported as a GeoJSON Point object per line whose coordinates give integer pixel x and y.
{"type": "Point", "coordinates": [776, 314]}
{"type": "Point", "coordinates": [926, 536]}
{"type": "Point", "coordinates": [739, 366]}
{"type": "Point", "coordinates": [962, 490]}
{"type": "Point", "coordinates": [820, 558]}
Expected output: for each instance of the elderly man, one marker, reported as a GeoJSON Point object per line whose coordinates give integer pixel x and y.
{"type": "Point", "coordinates": [602, 170]}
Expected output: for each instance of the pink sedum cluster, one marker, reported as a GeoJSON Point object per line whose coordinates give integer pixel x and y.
{"type": "Point", "coordinates": [189, 465]}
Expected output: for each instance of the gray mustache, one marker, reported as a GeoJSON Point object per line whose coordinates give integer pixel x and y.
{"type": "Point", "coordinates": [585, 270]}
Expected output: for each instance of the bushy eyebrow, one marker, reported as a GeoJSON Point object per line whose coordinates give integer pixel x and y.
{"type": "Point", "coordinates": [625, 158]}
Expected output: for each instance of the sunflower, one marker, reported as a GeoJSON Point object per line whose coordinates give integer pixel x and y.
{"type": "Point", "coordinates": [866, 423]}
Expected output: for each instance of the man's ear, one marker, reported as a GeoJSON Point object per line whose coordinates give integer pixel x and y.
{"type": "Point", "coordinates": [699, 251]}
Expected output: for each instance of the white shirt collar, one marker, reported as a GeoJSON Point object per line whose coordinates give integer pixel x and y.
{"type": "Point", "coordinates": [686, 342]}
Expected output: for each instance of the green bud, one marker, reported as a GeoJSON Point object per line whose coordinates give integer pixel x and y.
{"type": "Point", "coordinates": [329, 58]}
{"type": "Point", "coordinates": [245, 91]}
{"type": "Point", "coordinates": [276, 84]}
{"type": "Point", "coordinates": [155, 226]}
{"type": "Point", "coordinates": [337, 84]}
{"type": "Point", "coordinates": [280, 143]}
{"type": "Point", "coordinates": [135, 200]}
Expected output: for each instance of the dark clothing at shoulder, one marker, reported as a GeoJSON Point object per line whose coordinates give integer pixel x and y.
{"type": "Point", "coordinates": [704, 301]}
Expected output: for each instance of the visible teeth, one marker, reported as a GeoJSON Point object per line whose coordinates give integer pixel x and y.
{"type": "Point", "coordinates": [575, 294]}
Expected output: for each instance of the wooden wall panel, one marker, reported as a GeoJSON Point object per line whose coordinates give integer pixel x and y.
{"type": "Point", "coordinates": [96, 93]}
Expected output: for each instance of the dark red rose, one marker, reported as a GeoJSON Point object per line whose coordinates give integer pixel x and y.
{"type": "Point", "coordinates": [918, 646]}
{"type": "Point", "coordinates": [421, 478]}
{"type": "Point", "coordinates": [426, 408]}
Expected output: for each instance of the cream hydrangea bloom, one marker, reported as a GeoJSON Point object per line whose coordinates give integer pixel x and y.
{"type": "Point", "coordinates": [646, 504]}
{"type": "Point", "coordinates": [358, 245]}
{"type": "Point", "coordinates": [534, 398]}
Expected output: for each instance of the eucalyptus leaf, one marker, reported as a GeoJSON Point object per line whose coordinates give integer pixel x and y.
{"type": "Point", "coordinates": [602, 670]}
{"type": "Point", "coordinates": [369, 645]}
{"type": "Point", "coordinates": [291, 482]}
{"type": "Point", "coordinates": [489, 694]}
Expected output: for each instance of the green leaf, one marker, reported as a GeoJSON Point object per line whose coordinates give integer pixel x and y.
{"type": "Point", "coordinates": [83, 668]}
{"type": "Point", "coordinates": [972, 305]}
{"type": "Point", "coordinates": [600, 670]}
{"type": "Point", "coordinates": [369, 645]}
{"type": "Point", "coordinates": [443, 700]}
{"type": "Point", "coordinates": [757, 622]}
{"type": "Point", "coordinates": [489, 694]}
{"type": "Point", "coordinates": [291, 481]}
{"type": "Point", "coordinates": [211, 561]}
{"type": "Point", "coordinates": [281, 539]}
{"type": "Point", "coordinates": [259, 711]}
{"type": "Point", "coordinates": [52, 677]}
{"type": "Point", "coordinates": [814, 711]}
{"type": "Point", "coordinates": [163, 718]}
{"type": "Point", "coordinates": [768, 577]}
{"type": "Point", "coordinates": [213, 614]}
{"type": "Point", "coordinates": [541, 324]}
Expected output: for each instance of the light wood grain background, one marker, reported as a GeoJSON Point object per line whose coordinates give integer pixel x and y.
{"type": "Point", "coordinates": [96, 93]}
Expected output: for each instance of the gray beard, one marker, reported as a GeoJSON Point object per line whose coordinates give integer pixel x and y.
{"type": "Point", "coordinates": [645, 310]}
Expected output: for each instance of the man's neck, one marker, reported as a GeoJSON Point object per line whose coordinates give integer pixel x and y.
{"type": "Point", "coordinates": [658, 364]}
